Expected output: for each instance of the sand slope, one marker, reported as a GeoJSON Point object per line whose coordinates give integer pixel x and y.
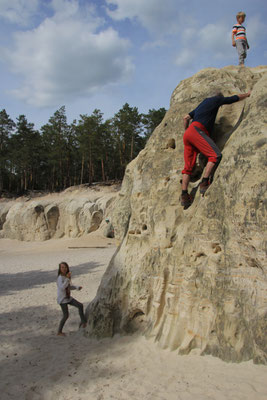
{"type": "Point", "coordinates": [36, 364]}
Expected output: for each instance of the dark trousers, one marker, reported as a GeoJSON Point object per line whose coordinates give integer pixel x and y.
{"type": "Point", "coordinates": [65, 310]}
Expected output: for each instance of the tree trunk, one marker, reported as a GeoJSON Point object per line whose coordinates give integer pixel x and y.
{"type": "Point", "coordinates": [53, 179]}
{"type": "Point", "coordinates": [90, 164]}
{"type": "Point", "coordinates": [132, 147]}
{"type": "Point", "coordinates": [81, 180]}
{"type": "Point", "coordinates": [25, 180]}
{"type": "Point", "coordinates": [1, 180]}
{"type": "Point", "coordinates": [103, 170]}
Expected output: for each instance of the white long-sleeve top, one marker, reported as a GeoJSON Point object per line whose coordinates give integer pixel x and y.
{"type": "Point", "coordinates": [62, 283]}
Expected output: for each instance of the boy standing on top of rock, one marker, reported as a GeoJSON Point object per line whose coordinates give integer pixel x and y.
{"type": "Point", "coordinates": [239, 39]}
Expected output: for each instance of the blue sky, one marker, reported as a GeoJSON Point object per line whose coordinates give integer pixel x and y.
{"type": "Point", "coordinates": [88, 54]}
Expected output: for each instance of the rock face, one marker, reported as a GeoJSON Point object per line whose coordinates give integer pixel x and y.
{"type": "Point", "coordinates": [74, 212]}
{"type": "Point", "coordinates": [195, 279]}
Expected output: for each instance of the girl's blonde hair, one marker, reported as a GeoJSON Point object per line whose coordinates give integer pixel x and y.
{"type": "Point", "coordinates": [240, 14]}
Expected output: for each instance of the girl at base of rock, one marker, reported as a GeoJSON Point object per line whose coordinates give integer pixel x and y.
{"type": "Point", "coordinates": [64, 298]}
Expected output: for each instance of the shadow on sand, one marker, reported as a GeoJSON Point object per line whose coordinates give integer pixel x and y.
{"type": "Point", "coordinates": [10, 283]}
{"type": "Point", "coordinates": [35, 362]}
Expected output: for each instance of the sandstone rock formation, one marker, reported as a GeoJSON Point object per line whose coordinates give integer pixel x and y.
{"type": "Point", "coordinates": [72, 213]}
{"type": "Point", "coordinates": [194, 280]}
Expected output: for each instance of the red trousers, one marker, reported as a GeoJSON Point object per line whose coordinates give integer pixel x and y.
{"type": "Point", "coordinates": [196, 140]}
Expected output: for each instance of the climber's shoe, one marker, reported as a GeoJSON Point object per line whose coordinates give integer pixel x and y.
{"type": "Point", "coordinates": [186, 200]}
{"type": "Point", "coordinates": [203, 187]}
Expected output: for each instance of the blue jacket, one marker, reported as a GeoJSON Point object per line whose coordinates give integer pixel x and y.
{"type": "Point", "coordinates": [206, 112]}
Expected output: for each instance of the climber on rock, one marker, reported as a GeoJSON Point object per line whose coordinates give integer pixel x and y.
{"type": "Point", "coordinates": [197, 140]}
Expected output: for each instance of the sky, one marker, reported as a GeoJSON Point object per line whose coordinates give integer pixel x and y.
{"type": "Point", "coordinates": [101, 54]}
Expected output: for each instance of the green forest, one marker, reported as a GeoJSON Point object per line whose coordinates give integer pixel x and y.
{"type": "Point", "coordinates": [60, 155]}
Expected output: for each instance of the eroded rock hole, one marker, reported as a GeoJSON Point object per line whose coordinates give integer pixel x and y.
{"type": "Point", "coordinates": [136, 322]}
{"type": "Point", "coordinates": [52, 218]}
{"type": "Point", "coordinates": [171, 144]}
{"type": "Point", "coordinates": [39, 209]}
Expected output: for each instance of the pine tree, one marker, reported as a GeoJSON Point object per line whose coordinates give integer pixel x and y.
{"type": "Point", "coordinates": [90, 136]}
{"type": "Point", "coordinates": [127, 130]}
{"type": "Point", "coordinates": [7, 126]}
{"type": "Point", "coordinates": [55, 136]}
{"type": "Point", "coordinates": [151, 120]}
{"type": "Point", "coordinates": [25, 146]}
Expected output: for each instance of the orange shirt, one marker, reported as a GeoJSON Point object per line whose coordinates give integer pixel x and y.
{"type": "Point", "coordinates": [239, 31]}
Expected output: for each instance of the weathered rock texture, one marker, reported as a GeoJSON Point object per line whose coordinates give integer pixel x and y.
{"type": "Point", "coordinates": [195, 279]}
{"type": "Point", "coordinates": [72, 213]}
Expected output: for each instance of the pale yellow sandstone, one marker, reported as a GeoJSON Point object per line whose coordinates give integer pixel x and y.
{"type": "Point", "coordinates": [195, 279]}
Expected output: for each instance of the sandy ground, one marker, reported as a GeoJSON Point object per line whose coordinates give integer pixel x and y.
{"type": "Point", "coordinates": [37, 364]}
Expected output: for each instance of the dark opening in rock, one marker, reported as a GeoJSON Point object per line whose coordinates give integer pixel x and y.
{"type": "Point", "coordinates": [171, 144]}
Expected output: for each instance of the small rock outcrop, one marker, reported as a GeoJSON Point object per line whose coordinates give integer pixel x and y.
{"type": "Point", "coordinates": [72, 213]}
{"type": "Point", "coordinates": [194, 280]}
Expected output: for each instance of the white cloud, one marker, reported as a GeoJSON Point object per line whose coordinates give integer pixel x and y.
{"type": "Point", "coordinates": [158, 16]}
{"type": "Point", "coordinates": [155, 45]}
{"type": "Point", "coordinates": [215, 38]}
{"type": "Point", "coordinates": [189, 34]}
{"type": "Point", "coordinates": [64, 57]}
{"type": "Point", "coordinates": [185, 58]}
{"type": "Point", "coordinates": [256, 30]}
{"type": "Point", "coordinates": [211, 42]}
{"type": "Point", "coordinates": [18, 11]}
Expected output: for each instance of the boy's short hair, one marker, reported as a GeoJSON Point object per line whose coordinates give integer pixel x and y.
{"type": "Point", "coordinates": [240, 14]}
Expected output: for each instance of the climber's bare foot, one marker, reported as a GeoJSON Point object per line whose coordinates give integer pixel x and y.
{"type": "Point", "coordinates": [61, 334]}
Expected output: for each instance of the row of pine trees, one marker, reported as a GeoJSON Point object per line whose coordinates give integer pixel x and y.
{"type": "Point", "coordinates": [60, 155]}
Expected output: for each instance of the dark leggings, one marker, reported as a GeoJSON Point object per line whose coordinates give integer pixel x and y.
{"type": "Point", "coordinates": [65, 310]}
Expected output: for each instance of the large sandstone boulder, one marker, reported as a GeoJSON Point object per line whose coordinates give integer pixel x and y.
{"type": "Point", "coordinates": [72, 213]}
{"type": "Point", "coordinates": [195, 279]}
